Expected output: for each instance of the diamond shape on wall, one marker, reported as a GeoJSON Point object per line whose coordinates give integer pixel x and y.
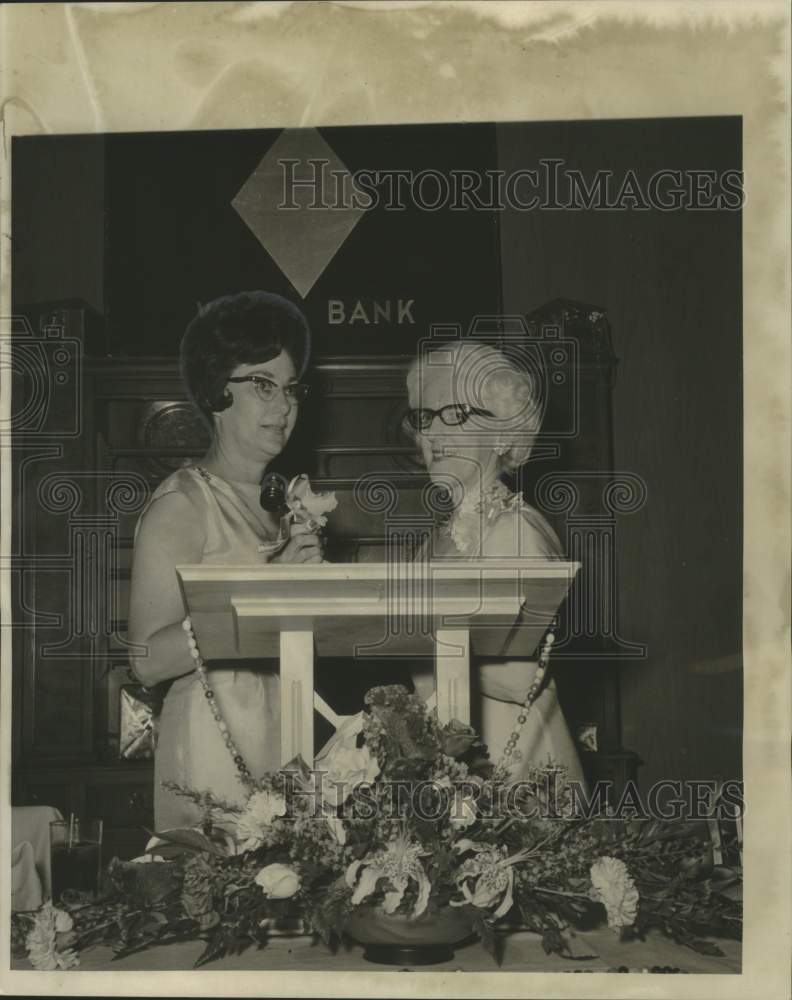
{"type": "Point", "coordinates": [302, 241]}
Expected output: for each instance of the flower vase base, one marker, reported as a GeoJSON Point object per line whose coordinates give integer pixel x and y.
{"type": "Point", "coordinates": [401, 954]}
{"type": "Point", "coordinates": [398, 939]}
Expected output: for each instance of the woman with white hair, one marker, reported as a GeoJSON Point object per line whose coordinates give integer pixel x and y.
{"type": "Point", "coordinates": [475, 415]}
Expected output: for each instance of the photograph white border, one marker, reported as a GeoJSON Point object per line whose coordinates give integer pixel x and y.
{"type": "Point", "coordinates": [83, 67]}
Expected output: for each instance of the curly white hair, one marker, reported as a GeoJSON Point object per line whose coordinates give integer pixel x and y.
{"type": "Point", "coordinates": [483, 376]}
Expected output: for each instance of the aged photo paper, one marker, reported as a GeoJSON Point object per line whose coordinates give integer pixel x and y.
{"type": "Point", "coordinates": [613, 174]}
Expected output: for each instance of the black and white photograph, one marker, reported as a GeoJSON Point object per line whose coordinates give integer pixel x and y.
{"type": "Point", "coordinates": [377, 538]}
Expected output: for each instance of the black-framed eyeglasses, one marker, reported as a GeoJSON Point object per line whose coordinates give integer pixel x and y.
{"type": "Point", "coordinates": [452, 415]}
{"type": "Point", "coordinates": [266, 389]}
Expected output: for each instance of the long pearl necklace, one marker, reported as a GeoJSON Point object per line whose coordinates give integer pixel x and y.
{"type": "Point", "coordinates": [245, 776]}
{"type": "Point", "coordinates": [510, 750]}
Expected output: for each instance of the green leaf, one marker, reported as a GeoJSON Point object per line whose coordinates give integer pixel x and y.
{"type": "Point", "coordinates": [552, 941]}
{"type": "Point", "coordinates": [484, 927]}
{"type": "Point", "coordinates": [486, 934]}
{"type": "Point", "coordinates": [215, 948]}
{"type": "Point", "coordinates": [703, 947]}
{"type": "Point", "coordinates": [171, 852]}
{"type": "Point", "coordinates": [191, 840]}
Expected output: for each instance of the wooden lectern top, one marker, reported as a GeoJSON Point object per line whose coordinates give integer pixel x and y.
{"type": "Point", "coordinates": [374, 610]}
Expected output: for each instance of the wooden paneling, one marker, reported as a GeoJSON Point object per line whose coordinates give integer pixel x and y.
{"type": "Point", "coordinates": [54, 499]}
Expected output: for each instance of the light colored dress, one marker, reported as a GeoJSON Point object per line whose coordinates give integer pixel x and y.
{"type": "Point", "coordinates": [501, 525]}
{"type": "Point", "coordinates": [190, 749]}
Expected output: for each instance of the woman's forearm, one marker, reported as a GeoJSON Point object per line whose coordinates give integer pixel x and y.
{"type": "Point", "coordinates": [503, 680]}
{"type": "Point", "coordinates": [423, 681]}
{"type": "Point", "coordinates": [163, 656]}
{"type": "Point", "coordinates": [507, 680]}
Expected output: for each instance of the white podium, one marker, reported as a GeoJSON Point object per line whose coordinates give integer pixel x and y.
{"type": "Point", "coordinates": [446, 611]}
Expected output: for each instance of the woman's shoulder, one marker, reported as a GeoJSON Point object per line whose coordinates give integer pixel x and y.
{"type": "Point", "coordinates": [187, 480]}
{"type": "Point", "coordinates": [521, 528]}
{"type": "Point", "coordinates": [180, 496]}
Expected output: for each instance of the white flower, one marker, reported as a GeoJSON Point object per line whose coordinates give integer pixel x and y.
{"type": "Point", "coordinates": [344, 767]}
{"type": "Point", "coordinates": [336, 828]}
{"type": "Point", "coordinates": [612, 885]}
{"type": "Point", "coordinates": [43, 940]}
{"type": "Point", "coordinates": [463, 811]}
{"type": "Point", "coordinates": [466, 530]}
{"type": "Point", "coordinates": [307, 506]}
{"type": "Point", "coordinates": [487, 879]}
{"type": "Point", "coordinates": [397, 863]}
{"type": "Point", "coordinates": [63, 921]}
{"type": "Point", "coordinates": [156, 841]}
{"type": "Point", "coordinates": [278, 881]}
{"type": "Point", "coordinates": [474, 514]}
{"type": "Point", "coordinates": [466, 844]}
{"type": "Point", "coordinates": [259, 812]}
{"type": "Point", "coordinates": [488, 876]}
{"type": "Point", "coordinates": [489, 888]}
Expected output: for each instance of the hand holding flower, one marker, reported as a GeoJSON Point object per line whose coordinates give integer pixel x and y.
{"type": "Point", "coordinates": [304, 546]}
{"type": "Point", "coordinates": [307, 507]}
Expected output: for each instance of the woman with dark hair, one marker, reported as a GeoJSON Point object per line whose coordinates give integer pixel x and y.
{"type": "Point", "coordinates": [241, 359]}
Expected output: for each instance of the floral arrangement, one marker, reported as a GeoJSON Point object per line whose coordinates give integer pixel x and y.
{"type": "Point", "coordinates": [408, 818]}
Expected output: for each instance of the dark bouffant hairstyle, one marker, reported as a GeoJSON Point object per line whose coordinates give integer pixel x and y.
{"type": "Point", "coordinates": [242, 329]}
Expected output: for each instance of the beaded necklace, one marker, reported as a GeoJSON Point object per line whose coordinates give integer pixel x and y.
{"type": "Point", "coordinates": [510, 751]}
{"type": "Point", "coordinates": [211, 699]}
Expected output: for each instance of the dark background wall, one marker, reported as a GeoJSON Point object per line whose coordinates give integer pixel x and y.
{"type": "Point", "coordinates": [58, 219]}
{"type": "Point", "coordinates": [142, 227]}
{"type": "Point", "coordinates": [670, 282]}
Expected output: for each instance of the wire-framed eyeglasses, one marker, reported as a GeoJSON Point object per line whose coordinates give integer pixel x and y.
{"type": "Point", "coordinates": [266, 389]}
{"type": "Point", "coordinates": [452, 415]}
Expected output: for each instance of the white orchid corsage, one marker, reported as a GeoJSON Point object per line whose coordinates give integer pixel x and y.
{"type": "Point", "coordinates": [304, 507]}
{"type": "Point", "coordinates": [308, 507]}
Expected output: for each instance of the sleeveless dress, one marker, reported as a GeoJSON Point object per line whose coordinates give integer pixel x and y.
{"type": "Point", "coordinates": [190, 749]}
{"type": "Point", "coordinates": [520, 529]}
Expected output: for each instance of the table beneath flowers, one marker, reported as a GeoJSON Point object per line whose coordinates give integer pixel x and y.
{"type": "Point", "coordinates": [522, 952]}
